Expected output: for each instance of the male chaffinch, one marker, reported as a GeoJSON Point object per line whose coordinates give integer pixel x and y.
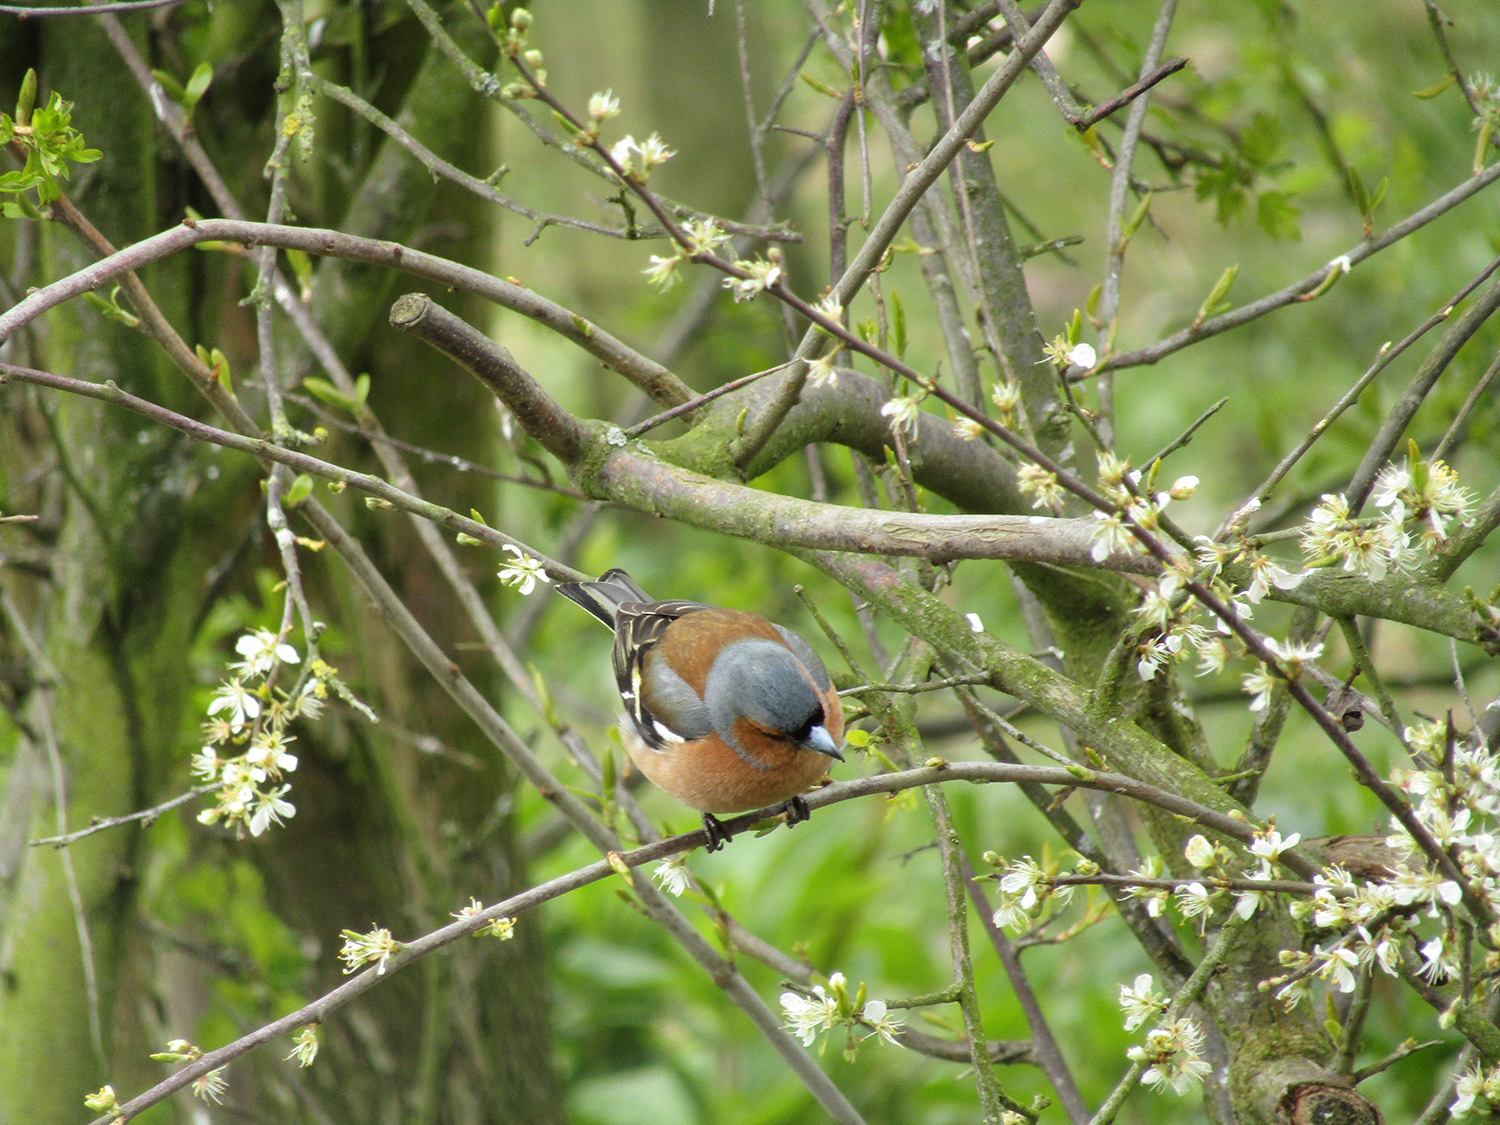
{"type": "Point", "coordinates": [723, 710]}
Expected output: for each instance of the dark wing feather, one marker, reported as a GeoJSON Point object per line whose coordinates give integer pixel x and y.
{"type": "Point", "coordinates": [638, 629]}
{"type": "Point", "coordinates": [604, 596]}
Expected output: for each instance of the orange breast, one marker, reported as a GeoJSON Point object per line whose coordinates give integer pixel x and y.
{"type": "Point", "coordinates": [710, 777]}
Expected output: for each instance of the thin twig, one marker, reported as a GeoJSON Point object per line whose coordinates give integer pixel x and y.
{"type": "Point", "coordinates": [145, 816]}
{"type": "Point", "coordinates": [884, 231]}
{"type": "Point", "coordinates": [301, 462]}
{"type": "Point", "coordinates": [1311, 286]}
{"type": "Point", "coordinates": [650, 376]}
{"type": "Point", "coordinates": [757, 135]}
{"type": "Point", "coordinates": [1436, 18]}
{"type": "Point", "coordinates": [27, 13]}
{"type": "Point", "coordinates": [1016, 23]}
{"type": "Point", "coordinates": [704, 399]}
{"type": "Point", "coordinates": [440, 167]}
{"type": "Point", "coordinates": [1383, 359]}
{"type": "Point", "coordinates": [1353, 1030]}
{"type": "Point", "coordinates": [1366, 664]}
{"type": "Point", "coordinates": [1455, 431]}
{"type": "Point", "coordinates": [470, 925]}
{"type": "Point", "coordinates": [1186, 436]}
{"type": "Point", "coordinates": [1393, 427]}
{"type": "Point", "coordinates": [992, 1099]}
{"type": "Point", "coordinates": [1104, 109]}
{"type": "Point", "coordinates": [1045, 1047]}
{"type": "Point", "coordinates": [1119, 189]}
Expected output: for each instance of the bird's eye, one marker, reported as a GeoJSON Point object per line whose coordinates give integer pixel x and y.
{"type": "Point", "coordinates": [804, 732]}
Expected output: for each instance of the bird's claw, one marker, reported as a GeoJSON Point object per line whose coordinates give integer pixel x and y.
{"type": "Point", "coordinates": [718, 835]}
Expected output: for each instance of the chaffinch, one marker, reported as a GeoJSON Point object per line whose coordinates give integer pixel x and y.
{"type": "Point", "coordinates": [723, 710]}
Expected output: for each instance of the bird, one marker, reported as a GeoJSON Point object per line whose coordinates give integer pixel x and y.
{"type": "Point", "coordinates": [723, 709]}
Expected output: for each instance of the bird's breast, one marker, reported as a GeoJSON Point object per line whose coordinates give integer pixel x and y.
{"type": "Point", "coordinates": [709, 776]}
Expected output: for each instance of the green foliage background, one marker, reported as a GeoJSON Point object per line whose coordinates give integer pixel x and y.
{"type": "Point", "coordinates": [1276, 98]}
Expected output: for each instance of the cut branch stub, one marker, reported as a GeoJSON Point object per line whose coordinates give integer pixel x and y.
{"type": "Point", "coordinates": [557, 431]}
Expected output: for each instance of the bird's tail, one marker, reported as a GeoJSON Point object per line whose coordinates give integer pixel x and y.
{"type": "Point", "coordinates": [604, 596]}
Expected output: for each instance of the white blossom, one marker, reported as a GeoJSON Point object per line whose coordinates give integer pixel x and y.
{"type": "Point", "coordinates": [262, 650]}
{"type": "Point", "coordinates": [1199, 852]}
{"type": "Point", "coordinates": [662, 273]}
{"type": "Point", "coordinates": [1175, 1054]}
{"type": "Point", "coordinates": [269, 809]}
{"type": "Point", "coordinates": [672, 875]}
{"type": "Point", "coordinates": [876, 1014]}
{"type": "Point", "coordinates": [1140, 1002]}
{"type": "Point", "coordinates": [1082, 355]}
{"type": "Point", "coordinates": [1269, 844]}
{"type": "Point", "coordinates": [239, 700]}
{"type": "Point", "coordinates": [903, 411]}
{"type": "Point", "coordinates": [1035, 481]}
{"type": "Point", "coordinates": [808, 1015]}
{"type": "Point", "coordinates": [1259, 685]}
{"type": "Point", "coordinates": [1110, 535]}
{"type": "Point", "coordinates": [524, 572]}
{"type": "Point", "coordinates": [763, 274]}
{"type": "Point", "coordinates": [604, 106]}
{"type": "Point", "coordinates": [821, 371]}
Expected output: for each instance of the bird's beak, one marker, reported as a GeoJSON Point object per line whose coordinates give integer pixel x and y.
{"type": "Point", "coordinates": [820, 740]}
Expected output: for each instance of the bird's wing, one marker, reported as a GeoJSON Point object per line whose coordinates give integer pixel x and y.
{"type": "Point", "coordinates": [638, 629]}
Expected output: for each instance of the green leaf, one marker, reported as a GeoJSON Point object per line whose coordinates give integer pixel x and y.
{"type": "Point", "coordinates": [300, 490]}
{"type": "Point", "coordinates": [302, 267]}
{"type": "Point", "coordinates": [1434, 91]}
{"type": "Point", "coordinates": [110, 308]}
{"type": "Point", "coordinates": [898, 325]}
{"type": "Point", "coordinates": [1090, 139]}
{"type": "Point", "coordinates": [571, 129]}
{"type": "Point", "coordinates": [1136, 219]}
{"type": "Point", "coordinates": [1224, 183]}
{"type": "Point", "coordinates": [323, 389]}
{"type": "Point", "coordinates": [26, 100]}
{"type": "Point", "coordinates": [218, 366]}
{"type": "Point", "coordinates": [1277, 216]}
{"type": "Point", "coordinates": [169, 84]}
{"type": "Point", "coordinates": [607, 774]}
{"type": "Point", "coordinates": [1263, 144]}
{"type": "Point", "coordinates": [362, 388]}
{"type": "Point", "coordinates": [821, 86]}
{"type": "Point", "coordinates": [197, 86]}
{"type": "Point", "coordinates": [1215, 302]}
{"type": "Point", "coordinates": [22, 208]}
{"type": "Point", "coordinates": [1361, 194]}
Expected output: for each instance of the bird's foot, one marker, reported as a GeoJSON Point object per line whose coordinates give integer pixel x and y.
{"type": "Point", "coordinates": [718, 835]}
{"type": "Point", "coordinates": [796, 811]}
